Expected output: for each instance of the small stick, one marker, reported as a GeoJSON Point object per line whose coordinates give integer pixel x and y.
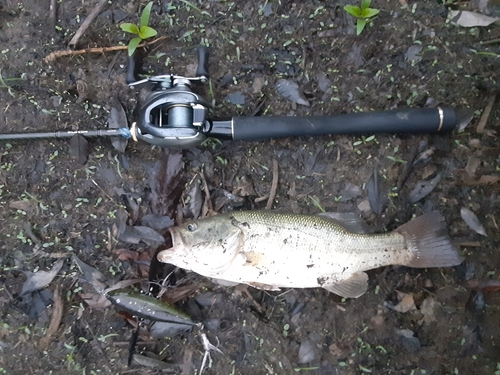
{"type": "Point", "coordinates": [52, 13]}
{"type": "Point", "coordinates": [274, 186]}
{"type": "Point", "coordinates": [84, 26]}
{"type": "Point", "coordinates": [486, 114]}
{"type": "Point", "coordinates": [261, 199]}
{"type": "Point", "coordinates": [492, 41]}
{"type": "Point", "coordinates": [207, 346]}
{"type": "Point", "coordinates": [104, 191]}
{"type": "Point", "coordinates": [208, 199]}
{"type": "Point", "coordinates": [69, 52]}
{"type": "Point", "coordinates": [54, 322]}
{"type": "Point", "coordinates": [139, 343]}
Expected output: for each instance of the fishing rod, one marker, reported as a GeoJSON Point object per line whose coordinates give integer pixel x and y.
{"type": "Point", "coordinates": [175, 117]}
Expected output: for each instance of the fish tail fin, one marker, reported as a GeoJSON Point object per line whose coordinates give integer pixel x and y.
{"type": "Point", "coordinates": [428, 246]}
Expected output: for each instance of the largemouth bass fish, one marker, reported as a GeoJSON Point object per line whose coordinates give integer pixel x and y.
{"type": "Point", "coordinates": [270, 250]}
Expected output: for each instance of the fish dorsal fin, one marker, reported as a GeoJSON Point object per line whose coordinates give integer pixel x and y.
{"type": "Point", "coordinates": [353, 287]}
{"type": "Point", "coordinates": [348, 220]}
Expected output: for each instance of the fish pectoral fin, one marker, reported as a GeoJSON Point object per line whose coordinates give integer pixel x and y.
{"type": "Point", "coordinates": [263, 286]}
{"type": "Point", "coordinates": [223, 282]}
{"type": "Point", "coordinates": [348, 220]}
{"type": "Point", "coordinates": [353, 287]}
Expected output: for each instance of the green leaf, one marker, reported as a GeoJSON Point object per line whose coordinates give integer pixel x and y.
{"type": "Point", "coordinates": [365, 4]}
{"type": "Point", "coordinates": [147, 32]}
{"type": "Point", "coordinates": [130, 28]}
{"type": "Point", "coordinates": [353, 10]}
{"type": "Point", "coordinates": [145, 15]}
{"type": "Point", "coordinates": [132, 45]}
{"type": "Point", "coordinates": [360, 25]}
{"type": "Point", "coordinates": [369, 13]}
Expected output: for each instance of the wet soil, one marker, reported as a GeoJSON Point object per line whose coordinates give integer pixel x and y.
{"type": "Point", "coordinates": [58, 200]}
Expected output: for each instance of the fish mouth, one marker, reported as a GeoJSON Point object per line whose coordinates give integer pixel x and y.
{"type": "Point", "coordinates": [167, 255]}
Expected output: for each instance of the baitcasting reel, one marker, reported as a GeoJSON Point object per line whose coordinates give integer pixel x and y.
{"type": "Point", "coordinates": [173, 116]}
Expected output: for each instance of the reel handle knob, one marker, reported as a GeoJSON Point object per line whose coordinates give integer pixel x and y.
{"type": "Point", "coordinates": [202, 70]}
{"type": "Point", "coordinates": [131, 70]}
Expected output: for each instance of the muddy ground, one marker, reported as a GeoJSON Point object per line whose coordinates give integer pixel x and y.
{"type": "Point", "coordinates": [59, 200]}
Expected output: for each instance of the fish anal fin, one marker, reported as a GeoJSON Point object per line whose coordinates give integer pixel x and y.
{"type": "Point", "coordinates": [353, 287]}
{"type": "Point", "coordinates": [348, 220]}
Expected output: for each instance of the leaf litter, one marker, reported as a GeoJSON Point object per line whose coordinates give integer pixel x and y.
{"type": "Point", "coordinates": [117, 119]}
{"type": "Point", "coordinates": [166, 182]}
{"type": "Point", "coordinates": [291, 91]}
{"type": "Point", "coordinates": [472, 221]}
{"type": "Point", "coordinates": [424, 188]}
{"type": "Point", "coordinates": [376, 197]}
{"type": "Point", "coordinates": [39, 280]}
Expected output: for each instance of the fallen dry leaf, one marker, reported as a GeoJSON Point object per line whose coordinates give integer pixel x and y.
{"type": "Point", "coordinates": [488, 179]}
{"type": "Point", "coordinates": [95, 301]}
{"type": "Point", "coordinates": [40, 279]}
{"type": "Point", "coordinates": [484, 286]}
{"type": "Point", "coordinates": [472, 221]}
{"type": "Point", "coordinates": [471, 167]}
{"type": "Point", "coordinates": [424, 188]}
{"type": "Point", "coordinates": [166, 181]}
{"type": "Point", "coordinates": [126, 254]}
{"type": "Point", "coordinates": [79, 149]}
{"type": "Point", "coordinates": [91, 275]}
{"type": "Point", "coordinates": [428, 310]}
{"type": "Point", "coordinates": [291, 91]}
{"type": "Point", "coordinates": [406, 303]}
{"type": "Point", "coordinates": [466, 18]}
{"type": "Point", "coordinates": [26, 206]}
{"type": "Point", "coordinates": [117, 119]}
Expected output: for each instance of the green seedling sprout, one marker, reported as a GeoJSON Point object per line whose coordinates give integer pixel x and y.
{"type": "Point", "coordinates": [362, 14]}
{"type": "Point", "coordinates": [143, 31]}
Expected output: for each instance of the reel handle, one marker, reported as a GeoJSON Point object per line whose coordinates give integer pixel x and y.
{"type": "Point", "coordinates": [202, 70]}
{"type": "Point", "coordinates": [131, 78]}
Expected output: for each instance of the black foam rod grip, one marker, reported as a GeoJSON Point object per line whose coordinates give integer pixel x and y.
{"type": "Point", "coordinates": [131, 69]}
{"type": "Point", "coordinates": [421, 120]}
{"type": "Point", "coordinates": [202, 70]}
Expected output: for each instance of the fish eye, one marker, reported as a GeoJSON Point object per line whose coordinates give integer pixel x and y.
{"type": "Point", "coordinates": [192, 227]}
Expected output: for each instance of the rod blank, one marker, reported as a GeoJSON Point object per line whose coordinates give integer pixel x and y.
{"type": "Point", "coordinates": [66, 134]}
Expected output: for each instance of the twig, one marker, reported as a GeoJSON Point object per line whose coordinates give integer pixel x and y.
{"type": "Point", "coordinates": [103, 191]}
{"type": "Point", "coordinates": [52, 13]}
{"type": "Point", "coordinates": [69, 52]}
{"type": "Point", "coordinates": [54, 322]}
{"type": "Point", "coordinates": [84, 26]}
{"type": "Point", "coordinates": [207, 346]}
{"type": "Point", "coordinates": [139, 343]}
{"type": "Point", "coordinates": [261, 199]}
{"type": "Point", "coordinates": [274, 186]}
{"type": "Point", "coordinates": [245, 291]}
{"type": "Point", "coordinates": [208, 199]}
{"type": "Point", "coordinates": [486, 114]}
{"type": "Point", "coordinates": [187, 362]}
{"type": "Point", "coordinates": [492, 41]}
{"type": "Point", "coordinates": [113, 62]}
{"type": "Point", "coordinates": [98, 344]}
